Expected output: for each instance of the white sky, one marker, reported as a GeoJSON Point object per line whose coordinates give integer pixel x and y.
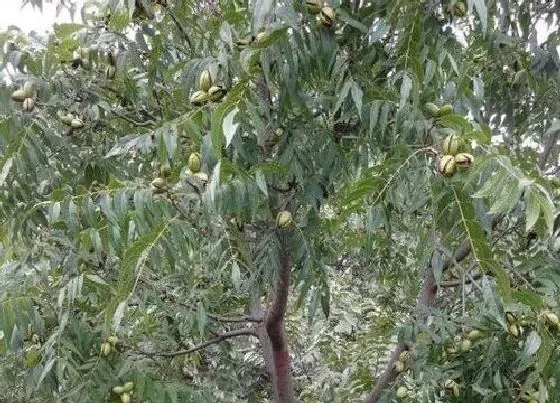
{"type": "Point", "coordinates": [32, 19]}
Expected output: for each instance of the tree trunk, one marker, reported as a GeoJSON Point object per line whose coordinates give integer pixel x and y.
{"type": "Point", "coordinates": [274, 322]}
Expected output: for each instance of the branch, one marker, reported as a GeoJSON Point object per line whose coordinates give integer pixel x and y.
{"type": "Point", "coordinates": [130, 120]}
{"type": "Point", "coordinates": [235, 319]}
{"type": "Point", "coordinates": [549, 145]}
{"type": "Point", "coordinates": [426, 298]}
{"type": "Point", "coordinates": [219, 338]}
{"type": "Point", "coordinates": [184, 34]}
{"type": "Point", "coordinates": [458, 282]}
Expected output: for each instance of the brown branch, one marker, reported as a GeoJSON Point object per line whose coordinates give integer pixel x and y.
{"type": "Point", "coordinates": [426, 298]}
{"type": "Point", "coordinates": [551, 141]}
{"type": "Point", "coordinates": [130, 120]}
{"type": "Point", "coordinates": [235, 319]}
{"type": "Point", "coordinates": [219, 338]}
{"type": "Point", "coordinates": [458, 282]}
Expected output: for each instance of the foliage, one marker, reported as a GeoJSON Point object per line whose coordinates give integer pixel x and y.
{"type": "Point", "coordinates": [329, 123]}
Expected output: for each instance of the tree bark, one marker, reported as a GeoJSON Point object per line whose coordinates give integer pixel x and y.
{"type": "Point", "coordinates": [274, 322]}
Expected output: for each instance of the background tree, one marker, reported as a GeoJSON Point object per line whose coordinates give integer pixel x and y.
{"type": "Point", "coordinates": [246, 201]}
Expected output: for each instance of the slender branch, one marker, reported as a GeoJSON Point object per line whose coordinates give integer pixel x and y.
{"type": "Point", "coordinates": [130, 120]}
{"type": "Point", "coordinates": [458, 282]}
{"type": "Point", "coordinates": [219, 338]}
{"type": "Point", "coordinates": [235, 319]}
{"type": "Point", "coordinates": [550, 142]}
{"type": "Point", "coordinates": [426, 298]}
{"type": "Point", "coordinates": [184, 34]}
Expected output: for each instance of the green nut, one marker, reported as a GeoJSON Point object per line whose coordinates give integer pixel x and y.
{"type": "Point", "coordinates": [432, 110]}
{"type": "Point", "coordinates": [284, 219]}
{"type": "Point", "coordinates": [28, 104]}
{"type": "Point", "coordinates": [402, 392]}
{"type": "Point", "coordinates": [128, 386]}
{"type": "Point", "coordinates": [399, 367]}
{"type": "Point", "coordinates": [404, 356]}
{"type": "Point", "coordinates": [474, 335]}
{"type": "Point", "coordinates": [464, 160]}
{"type": "Point", "coordinates": [216, 93]}
{"type": "Point", "coordinates": [119, 390]}
{"type": "Point", "coordinates": [18, 95]}
{"type": "Point", "coordinates": [447, 165]}
{"type": "Point", "coordinates": [452, 145]}
{"type": "Point", "coordinates": [445, 110]}
{"type": "Point", "coordinates": [205, 80]}
{"type": "Point", "coordinates": [158, 183]}
{"type": "Point", "coordinates": [76, 123]}
{"type": "Point", "coordinates": [199, 98]}
{"type": "Point", "coordinates": [194, 162]}
{"type": "Point", "coordinates": [327, 16]}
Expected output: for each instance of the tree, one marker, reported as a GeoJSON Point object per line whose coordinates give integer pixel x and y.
{"type": "Point", "coordinates": [185, 186]}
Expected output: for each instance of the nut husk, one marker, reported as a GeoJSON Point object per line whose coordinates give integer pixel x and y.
{"type": "Point", "coordinates": [29, 89]}
{"type": "Point", "coordinates": [199, 98]}
{"type": "Point", "coordinates": [284, 219]}
{"type": "Point", "coordinates": [327, 16]}
{"type": "Point", "coordinates": [431, 109]}
{"type": "Point", "coordinates": [447, 165]}
{"type": "Point", "coordinates": [119, 390]}
{"type": "Point", "coordinates": [445, 110]}
{"type": "Point", "coordinates": [474, 335]}
{"type": "Point", "coordinates": [402, 392]}
{"type": "Point", "coordinates": [76, 123]}
{"type": "Point", "coordinates": [165, 170]}
{"type": "Point", "coordinates": [205, 80]}
{"type": "Point", "coordinates": [217, 93]}
{"type": "Point", "coordinates": [18, 95]}
{"type": "Point", "coordinates": [399, 367]}
{"type": "Point", "coordinates": [128, 386]}
{"type": "Point", "coordinates": [404, 356]}
{"type": "Point", "coordinates": [464, 160]}
{"type": "Point", "coordinates": [452, 144]}
{"type": "Point", "coordinates": [28, 104]}
{"type": "Point", "coordinates": [158, 182]}
{"type": "Point", "coordinates": [125, 398]}
{"type": "Point", "coordinates": [459, 9]}
{"type": "Point", "coordinates": [194, 162]}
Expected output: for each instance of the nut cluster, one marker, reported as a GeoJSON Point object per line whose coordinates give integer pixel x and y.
{"type": "Point", "coordinates": [209, 92]}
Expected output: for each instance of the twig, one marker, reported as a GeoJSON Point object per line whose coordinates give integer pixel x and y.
{"type": "Point", "coordinates": [219, 338]}
{"type": "Point", "coordinates": [458, 282]}
{"type": "Point", "coordinates": [180, 27]}
{"type": "Point", "coordinates": [134, 122]}
{"type": "Point", "coordinates": [234, 319]}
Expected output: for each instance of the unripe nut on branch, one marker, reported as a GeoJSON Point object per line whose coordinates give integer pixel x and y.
{"type": "Point", "coordinates": [447, 165]}
{"type": "Point", "coordinates": [128, 386]}
{"type": "Point", "coordinates": [119, 390]}
{"type": "Point", "coordinates": [76, 123]}
{"type": "Point", "coordinates": [284, 219]}
{"type": "Point", "coordinates": [205, 80]}
{"type": "Point", "coordinates": [18, 96]}
{"type": "Point", "coordinates": [327, 16]}
{"type": "Point", "coordinates": [165, 170]}
{"type": "Point", "coordinates": [158, 183]}
{"type": "Point", "coordinates": [199, 98]}
{"type": "Point", "coordinates": [125, 398]}
{"type": "Point", "coordinates": [399, 367]}
{"type": "Point", "coordinates": [431, 109]}
{"type": "Point", "coordinates": [28, 104]}
{"type": "Point", "coordinates": [194, 162]}
{"type": "Point", "coordinates": [402, 392]}
{"type": "Point", "coordinates": [404, 356]}
{"type": "Point", "coordinates": [464, 160]}
{"type": "Point", "coordinates": [452, 144]}
{"type": "Point", "coordinates": [216, 93]}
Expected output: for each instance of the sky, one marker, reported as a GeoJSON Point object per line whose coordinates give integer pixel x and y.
{"type": "Point", "coordinates": [29, 18]}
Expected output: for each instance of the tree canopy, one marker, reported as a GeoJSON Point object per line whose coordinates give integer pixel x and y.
{"type": "Point", "coordinates": [247, 201]}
